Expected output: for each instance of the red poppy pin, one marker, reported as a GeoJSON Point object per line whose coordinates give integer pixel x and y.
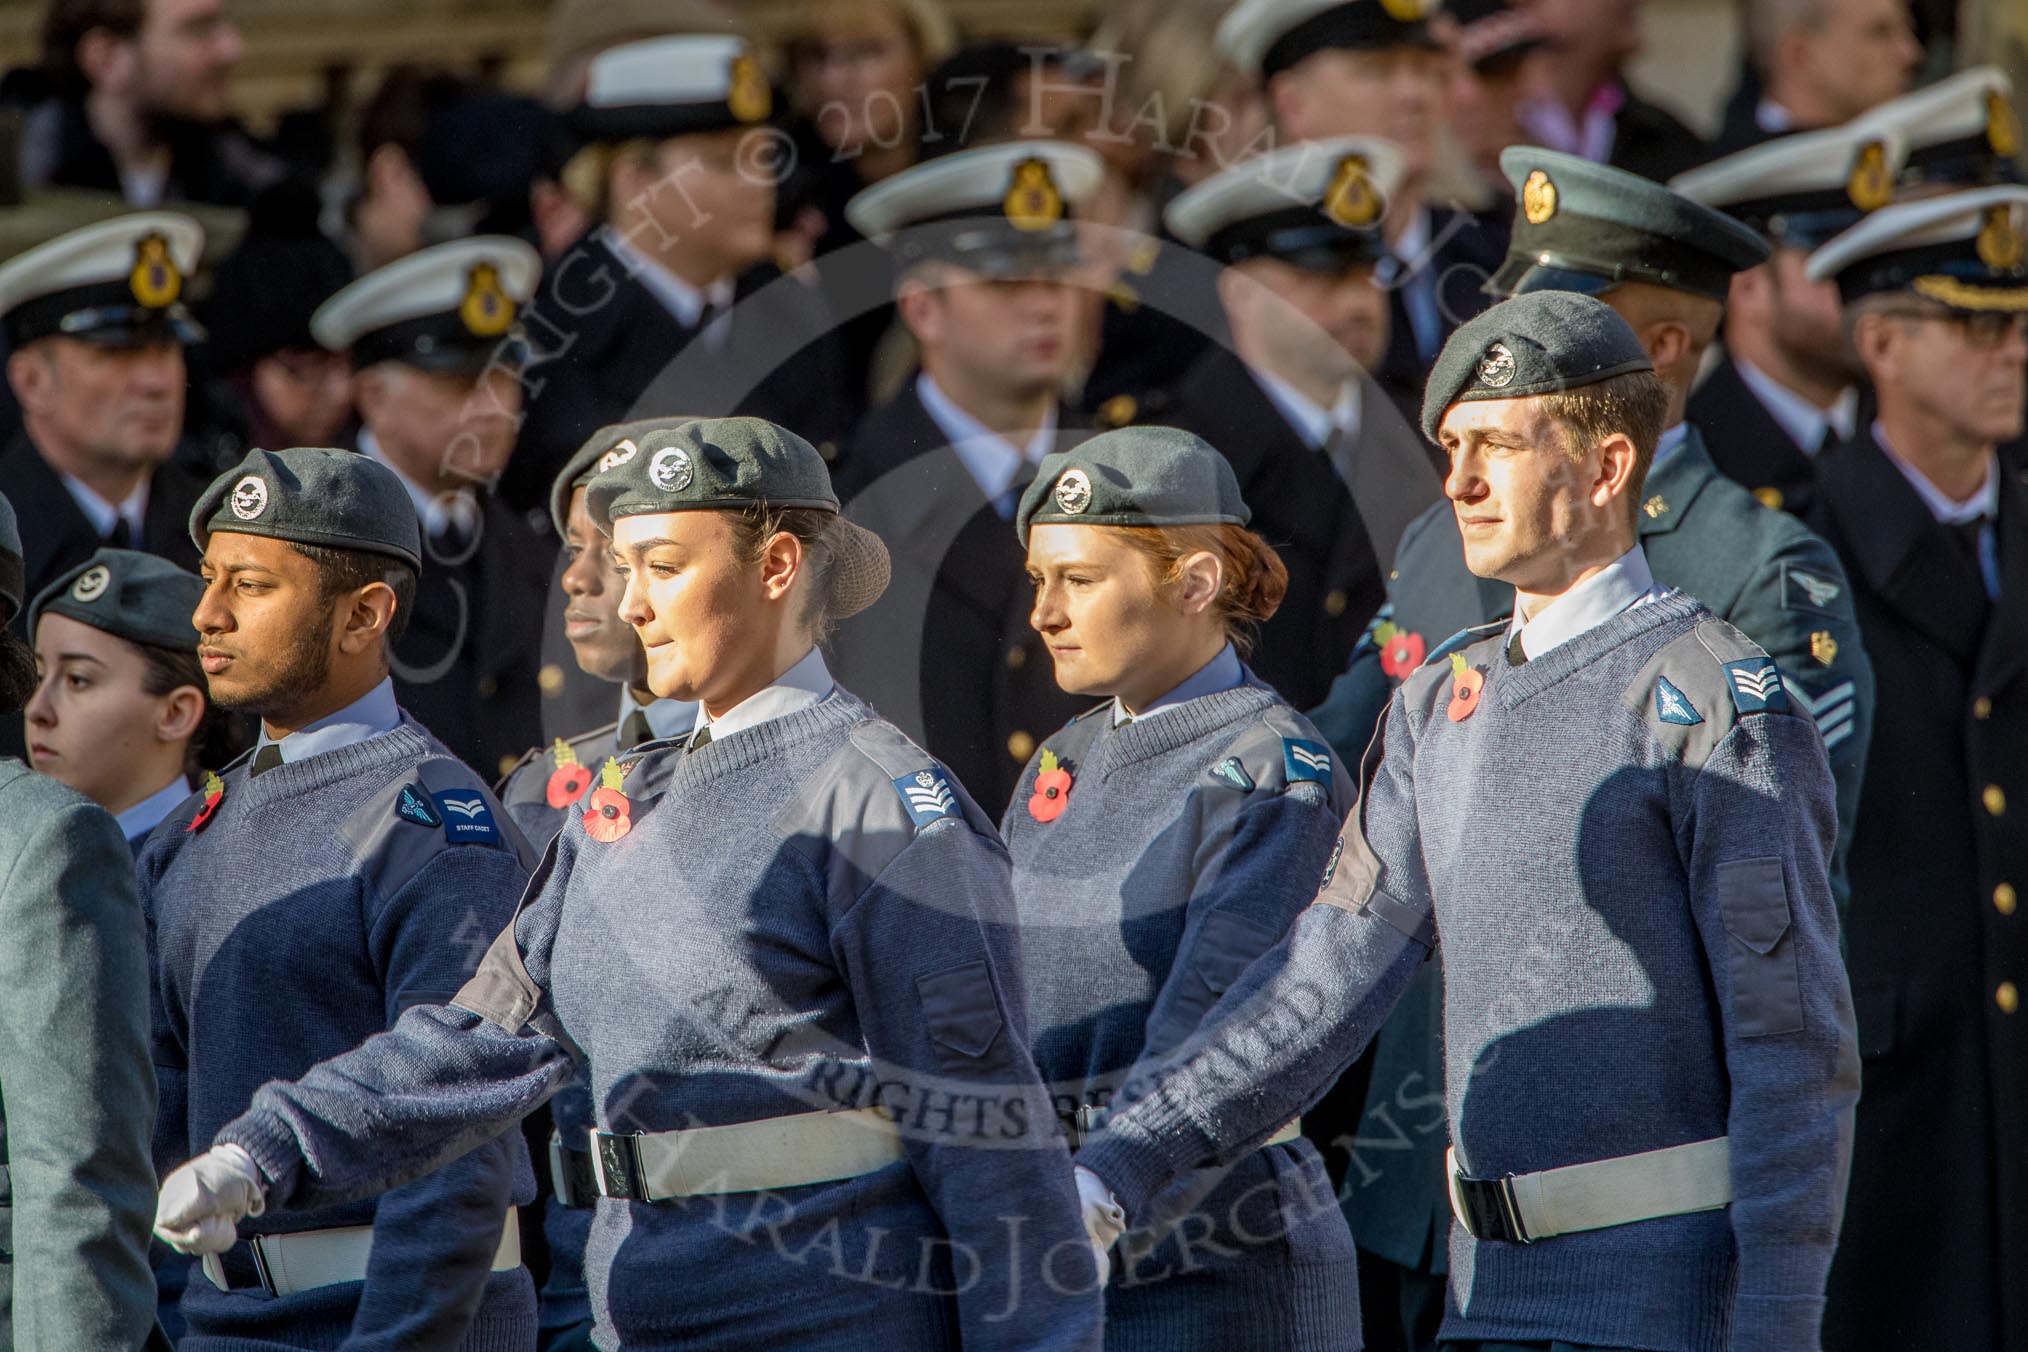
{"type": "Point", "coordinates": [1401, 652]}
{"type": "Point", "coordinates": [610, 815]}
{"type": "Point", "coordinates": [1466, 683]}
{"type": "Point", "coordinates": [1052, 790]}
{"type": "Point", "coordinates": [214, 794]}
{"type": "Point", "coordinates": [569, 780]}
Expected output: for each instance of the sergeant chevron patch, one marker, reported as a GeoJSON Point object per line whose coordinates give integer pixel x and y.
{"type": "Point", "coordinates": [1756, 684]}
{"type": "Point", "coordinates": [928, 796]}
{"type": "Point", "coordinates": [1835, 709]}
{"type": "Point", "coordinates": [1302, 759]}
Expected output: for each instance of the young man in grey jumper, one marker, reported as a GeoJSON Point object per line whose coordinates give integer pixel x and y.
{"type": "Point", "coordinates": [1609, 816]}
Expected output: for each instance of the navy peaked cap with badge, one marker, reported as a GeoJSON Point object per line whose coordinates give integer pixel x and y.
{"type": "Point", "coordinates": [128, 594]}
{"type": "Point", "coordinates": [681, 84]}
{"type": "Point", "coordinates": [117, 283]}
{"type": "Point", "coordinates": [1265, 37]}
{"type": "Point", "coordinates": [730, 465]}
{"type": "Point", "coordinates": [13, 566]}
{"type": "Point", "coordinates": [1967, 250]}
{"type": "Point", "coordinates": [1538, 343]}
{"type": "Point", "coordinates": [1134, 476]}
{"type": "Point", "coordinates": [583, 465]}
{"type": "Point", "coordinates": [1587, 227]}
{"type": "Point", "coordinates": [313, 495]}
{"type": "Point", "coordinates": [1003, 210]}
{"type": "Point", "coordinates": [452, 307]}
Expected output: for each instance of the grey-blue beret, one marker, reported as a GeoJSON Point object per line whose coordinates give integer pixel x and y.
{"type": "Point", "coordinates": [130, 595]}
{"type": "Point", "coordinates": [313, 495]}
{"type": "Point", "coordinates": [1134, 476]}
{"type": "Point", "coordinates": [1537, 343]}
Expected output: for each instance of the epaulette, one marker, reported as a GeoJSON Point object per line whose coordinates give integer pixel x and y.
{"type": "Point", "coordinates": [1697, 688]}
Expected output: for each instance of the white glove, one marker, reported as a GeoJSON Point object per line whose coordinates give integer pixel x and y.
{"type": "Point", "coordinates": [202, 1202]}
{"type": "Point", "coordinates": [1104, 1219]}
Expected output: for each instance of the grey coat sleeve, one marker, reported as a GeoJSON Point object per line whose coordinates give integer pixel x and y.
{"type": "Point", "coordinates": [1288, 1028]}
{"type": "Point", "coordinates": [76, 1078]}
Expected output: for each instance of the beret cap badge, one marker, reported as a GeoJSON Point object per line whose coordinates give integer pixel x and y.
{"type": "Point", "coordinates": [1033, 201]}
{"type": "Point", "coordinates": [487, 310]}
{"type": "Point", "coordinates": [249, 497]}
{"type": "Point", "coordinates": [1496, 368]}
{"type": "Point", "coordinates": [671, 470]}
{"type": "Point", "coordinates": [154, 280]}
{"type": "Point", "coordinates": [1538, 197]}
{"type": "Point", "coordinates": [91, 584]}
{"type": "Point", "coordinates": [1351, 200]}
{"type": "Point", "coordinates": [1073, 492]}
{"type": "Point", "coordinates": [1870, 186]}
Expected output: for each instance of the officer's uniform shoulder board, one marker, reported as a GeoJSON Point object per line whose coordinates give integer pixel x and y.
{"type": "Point", "coordinates": [1697, 688]}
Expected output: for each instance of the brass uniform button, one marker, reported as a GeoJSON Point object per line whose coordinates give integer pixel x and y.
{"type": "Point", "coordinates": [1982, 708]}
{"type": "Point", "coordinates": [1995, 799]}
{"type": "Point", "coordinates": [550, 679]}
{"type": "Point", "coordinates": [2007, 997]}
{"type": "Point", "coordinates": [1017, 658]}
{"type": "Point", "coordinates": [1021, 746]}
{"type": "Point", "coordinates": [1334, 604]}
{"type": "Point", "coordinates": [507, 764]}
{"type": "Point", "coordinates": [2005, 898]}
{"type": "Point", "coordinates": [1770, 498]}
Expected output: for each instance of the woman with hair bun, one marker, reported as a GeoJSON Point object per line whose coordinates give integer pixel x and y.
{"type": "Point", "coordinates": [1161, 841]}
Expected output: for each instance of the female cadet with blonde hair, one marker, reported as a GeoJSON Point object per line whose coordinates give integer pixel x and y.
{"type": "Point", "coordinates": [1162, 841]}
{"type": "Point", "coordinates": [781, 948]}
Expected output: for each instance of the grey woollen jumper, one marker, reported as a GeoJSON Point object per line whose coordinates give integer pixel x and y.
{"type": "Point", "coordinates": [1158, 884]}
{"type": "Point", "coordinates": [773, 935]}
{"type": "Point", "coordinates": [301, 919]}
{"type": "Point", "coordinates": [1639, 949]}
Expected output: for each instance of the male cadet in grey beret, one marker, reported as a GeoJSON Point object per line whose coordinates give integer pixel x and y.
{"type": "Point", "coordinates": [350, 867]}
{"type": "Point", "coordinates": [77, 1098]}
{"type": "Point", "coordinates": [937, 470]}
{"type": "Point", "coordinates": [1665, 264]}
{"type": "Point", "coordinates": [1649, 1041]}
{"type": "Point", "coordinates": [1787, 386]}
{"type": "Point", "coordinates": [1930, 514]}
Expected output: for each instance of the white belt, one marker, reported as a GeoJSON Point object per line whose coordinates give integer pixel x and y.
{"type": "Point", "coordinates": [309, 1259]}
{"type": "Point", "coordinates": [1521, 1208]}
{"type": "Point", "coordinates": [775, 1152]}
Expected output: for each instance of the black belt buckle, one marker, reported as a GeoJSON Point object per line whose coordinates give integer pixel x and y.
{"type": "Point", "coordinates": [571, 1175]}
{"type": "Point", "coordinates": [617, 1172]}
{"type": "Point", "coordinates": [1082, 1124]}
{"type": "Point", "coordinates": [1489, 1209]}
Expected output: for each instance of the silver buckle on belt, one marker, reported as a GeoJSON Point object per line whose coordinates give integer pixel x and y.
{"type": "Point", "coordinates": [617, 1164]}
{"type": "Point", "coordinates": [1086, 1122]}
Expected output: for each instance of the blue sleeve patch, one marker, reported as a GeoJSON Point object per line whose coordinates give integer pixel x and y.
{"type": "Point", "coordinates": [467, 818]}
{"type": "Point", "coordinates": [414, 806]}
{"type": "Point", "coordinates": [928, 796]}
{"type": "Point", "coordinates": [1835, 709]}
{"type": "Point", "coordinates": [1673, 706]}
{"type": "Point", "coordinates": [1756, 685]}
{"type": "Point", "coordinates": [1308, 760]}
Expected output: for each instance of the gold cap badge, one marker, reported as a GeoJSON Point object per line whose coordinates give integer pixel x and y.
{"type": "Point", "coordinates": [1032, 201]}
{"type": "Point", "coordinates": [1869, 185]}
{"type": "Point", "coordinates": [1538, 198]}
{"type": "Point", "coordinates": [2003, 129]}
{"type": "Point", "coordinates": [1823, 647]}
{"type": "Point", "coordinates": [487, 309]}
{"type": "Point", "coordinates": [155, 280]}
{"type": "Point", "coordinates": [747, 95]}
{"type": "Point", "coordinates": [1999, 243]}
{"type": "Point", "coordinates": [1405, 11]}
{"type": "Point", "coordinates": [1351, 200]}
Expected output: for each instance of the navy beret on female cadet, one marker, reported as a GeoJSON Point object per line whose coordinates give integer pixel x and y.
{"type": "Point", "coordinates": [731, 465]}
{"type": "Point", "coordinates": [129, 595]}
{"type": "Point", "coordinates": [1536, 343]}
{"type": "Point", "coordinates": [1135, 476]}
{"type": "Point", "coordinates": [313, 495]}
{"type": "Point", "coordinates": [13, 568]}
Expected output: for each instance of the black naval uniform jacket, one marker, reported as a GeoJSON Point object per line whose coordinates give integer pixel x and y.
{"type": "Point", "coordinates": [1331, 545]}
{"type": "Point", "coordinates": [603, 348]}
{"type": "Point", "coordinates": [1748, 445]}
{"type": "Point", "coordinates": [947, 653]}
{"type": "Point", "coordinates": [1759, 570]}
{"type": "Point", "coordinates": [1464, 248]}
{"type": "Point", "coordinates": [1936, 1221]}
{"type": "Point", "coordinates": [467, 667]}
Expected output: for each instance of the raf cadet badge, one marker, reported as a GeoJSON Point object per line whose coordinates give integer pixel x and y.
{"type": "Point", "coordinates": [1073, 492]}
{"type": "Point", "coordinates": [670, 470]}
{"type": "Point", "coordinates": [1466, 683]}
{"type": "Point", "coordinates": [249, 497]}
{"type": "Point", "coordinates": [1032, 201]}
{"type": "Point", "coordinates": [1052, 789]}
{"type": "Point", "coordinates": [2003, 129]}
{"type": "Point", "coordinates": [214, 794]}
{"type": "Point", "coordinates": [1999, 244]}
{"type": "Point", "coordinates": [91, 584]}
{"type": "Point", "coordinates": [1496, 368]}
{"type": "Point", "coordinates": [747, 95]}
{"type": "Point", "coordinates": [154, 281]}
{"type": "Point", "coordinates": [1869, 185]}
{"type": "Point", "coordinates": [487, 309]}
{"type": "Point", "coordinates": [1232, 774]}
{"type": "Point", "coordinates": [610, 815]}
{"type": "Point", "coordinates": [1673, 706]}
{"type": "Point", "coordinates": [569, 780]}
{"type": "Point", "coordinates": [1351, 200]}
{"type": "Point", "coordinates": [1538, 198]}
{"type": "Point", "coordinates": [1401, 652]}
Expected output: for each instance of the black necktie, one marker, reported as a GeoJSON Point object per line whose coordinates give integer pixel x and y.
{"type": "Point", "coordinates": [267, 758]}
{"type": "Point", "coordinates": [1515, 657]}
{"type": "Point", "coordinates": [121, 536]}
{"type": "Point", "coordinates": [1010, 501]}
{"type": "Point", "coordinates": [634, 730]}
{"type": "Point", "coordinates": [700, 739]}
{"type": "Point", "coordinates": [1967, 534]}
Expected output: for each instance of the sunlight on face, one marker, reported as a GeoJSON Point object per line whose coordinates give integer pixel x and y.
{"type": "Point", "coordinates": [1520, 498]}
{"type": "Point", "coordinates": [1112, 628]}
{"type": "Point", "coordinates": [698, 608]}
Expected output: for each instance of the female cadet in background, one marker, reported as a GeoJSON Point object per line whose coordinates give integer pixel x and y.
{"type": "Point", "coordinates": [1161, 842]}
{"type": "Point", "coordinates": [120, 713]}
{"type": "Point", "coordinates": [782, 947]}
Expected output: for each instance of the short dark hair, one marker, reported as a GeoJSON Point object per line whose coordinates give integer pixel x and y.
{"type": "Point", "coordinates": [65, 24]}
{"type": "Point", "coordinates": [17, 672]}
{"type": "Point", "coordinates": [344, 570]}
{"type": "Point", "coordinates": [1634, 405]}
